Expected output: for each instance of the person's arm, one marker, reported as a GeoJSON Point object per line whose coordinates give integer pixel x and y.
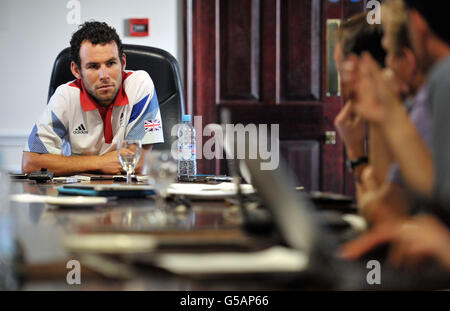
{"type": "Point", "coordinates": [379, 103]}
{"type": "Point", "coordinates": [380, 157]}
{"type": "Point", "coordinates": [412, 154]}
{"type": "Point", "coordinates": [70, 165]}
{"type": "Point", "coordinates": [382, 203]}
{"type": "Point", "coordinates": [412, 242]}
{"type": "Point", "coordinates": [351, 129]}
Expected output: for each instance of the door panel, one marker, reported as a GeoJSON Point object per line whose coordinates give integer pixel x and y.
{"type": "Point", "coordinates": [303, 157]}
{"type": "Point", "coordinates": [239, 42]}
{"type": "Point", "coordinates": [299, 51]}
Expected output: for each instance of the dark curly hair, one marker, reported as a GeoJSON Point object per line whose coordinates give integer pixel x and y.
{"type": "Point", "coordinates": [96, 33]}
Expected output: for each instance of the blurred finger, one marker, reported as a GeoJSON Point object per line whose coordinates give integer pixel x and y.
{"type": "Point", "coordinates": [363, 244]}
{"type": "Point", "coordinates": [383, 79]}
{"type": "Point", "coordinates": [398, 254]}
{"type": "Point", "coordinates": [364, 85]}
{"type": "Point", "coordinates": [342, 116]}
{"type": "Point", "coordinates": [389, 78]}
{"type": "Point", "coordinates": [350, 68]}
{"type": "Point", "coordinates": [413, 259]}
{"type": "Point", "coordinates": [403, 246]}
{"type": "Point", "coordinates": [371, 64]}
{"type": "Point", "coordinates": [357, 120]}
{"type": "Point", "coordinates": [351, 109]}
{"type": "Point", "coordinates": [346, 109]}
{"type": "Point", "coordinates": [371, 71]}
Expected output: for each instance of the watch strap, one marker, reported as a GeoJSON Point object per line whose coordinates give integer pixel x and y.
{"type": "Point", "coordinates": [353, 163]}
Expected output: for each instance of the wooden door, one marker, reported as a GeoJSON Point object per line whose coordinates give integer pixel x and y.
{"type": "Point", "coordinates": [266, 61]}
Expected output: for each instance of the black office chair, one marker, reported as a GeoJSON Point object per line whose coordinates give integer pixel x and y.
{"type": "Point", "coordinates": [162, 68]}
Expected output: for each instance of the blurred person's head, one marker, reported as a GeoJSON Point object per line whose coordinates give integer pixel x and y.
{"type": "Point", "coordinates": [399, 55]}
{"type": "Point", "coordinates": [356, 36]}
{"type": "Point", "coordinates": [429, 29]}
{"type": "Point", "coordinates": [98, 60]}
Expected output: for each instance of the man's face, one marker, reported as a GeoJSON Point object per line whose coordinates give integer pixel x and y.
{"type": "Point", "coordinates": [398, 64]}
{"type": "Point", "coordinates": [418, 34]}
{"type": "Point", "coordinates": [339, 60]}
{"type": "Point", "coordinates": [101, 70]}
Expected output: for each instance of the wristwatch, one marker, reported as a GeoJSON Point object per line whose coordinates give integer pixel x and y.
{"type": "Point", "coordinates": [354, 163]}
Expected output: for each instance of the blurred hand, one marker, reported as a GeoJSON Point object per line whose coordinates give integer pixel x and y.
{"type": "Point", "coordinates": [412, 242]}
{"type": "Point", "coordinates": [351, 128]}
{"type": "Point", "coordinates": [376, 236]}
{"type": "Point", "coordinates": [420, 239]}
{"type": "Point", "coordinates": [379, 202]}
{"type": "Point", "coordinates": [376, 91]}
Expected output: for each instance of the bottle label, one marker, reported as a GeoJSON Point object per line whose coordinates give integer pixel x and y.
{"type": "Point", "coordinates": [187, 152]}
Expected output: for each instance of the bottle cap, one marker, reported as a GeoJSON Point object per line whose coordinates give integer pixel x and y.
{"type": "Point", "coordinates": [186, 118]}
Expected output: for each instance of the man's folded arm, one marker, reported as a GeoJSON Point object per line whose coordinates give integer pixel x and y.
{"type": "Point", "coordinates": [68, 165]}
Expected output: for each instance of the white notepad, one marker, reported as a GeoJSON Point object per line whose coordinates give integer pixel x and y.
{"type": "Point", "coordinates": [208, 191]}
{"type": "Point", "coordinates": [274, 259]}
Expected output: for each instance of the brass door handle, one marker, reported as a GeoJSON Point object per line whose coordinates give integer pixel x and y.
{"type": "Point", "coordinates": [330, 138]}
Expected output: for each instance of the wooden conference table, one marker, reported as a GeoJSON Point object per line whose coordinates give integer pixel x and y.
{"type": "Point", "coordinates": [40, 229]}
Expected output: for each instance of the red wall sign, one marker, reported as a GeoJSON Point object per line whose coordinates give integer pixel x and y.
{"type": "Point", "coordinates": [139, 27]}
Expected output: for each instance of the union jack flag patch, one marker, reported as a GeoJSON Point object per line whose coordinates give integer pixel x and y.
{"type": "Point", "coordinates": [152, 125]}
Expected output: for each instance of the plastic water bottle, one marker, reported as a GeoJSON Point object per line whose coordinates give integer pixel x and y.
{"type": "Point", "coordinates": [187, 163]}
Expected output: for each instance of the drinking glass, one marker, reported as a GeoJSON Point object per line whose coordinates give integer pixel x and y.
{"type": "Point", "coordinates": [162, 169]}
{"type": "Point", "coordinates": [129, 151]}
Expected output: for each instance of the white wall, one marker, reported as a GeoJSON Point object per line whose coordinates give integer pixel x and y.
{"type": "Point", "coordinates": [33, 32]}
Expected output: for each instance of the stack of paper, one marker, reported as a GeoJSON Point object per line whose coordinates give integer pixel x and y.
{"type": "Point", "coordinates": [274, 259]}
{"type": "Point", "coordinates": [208, 191]}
